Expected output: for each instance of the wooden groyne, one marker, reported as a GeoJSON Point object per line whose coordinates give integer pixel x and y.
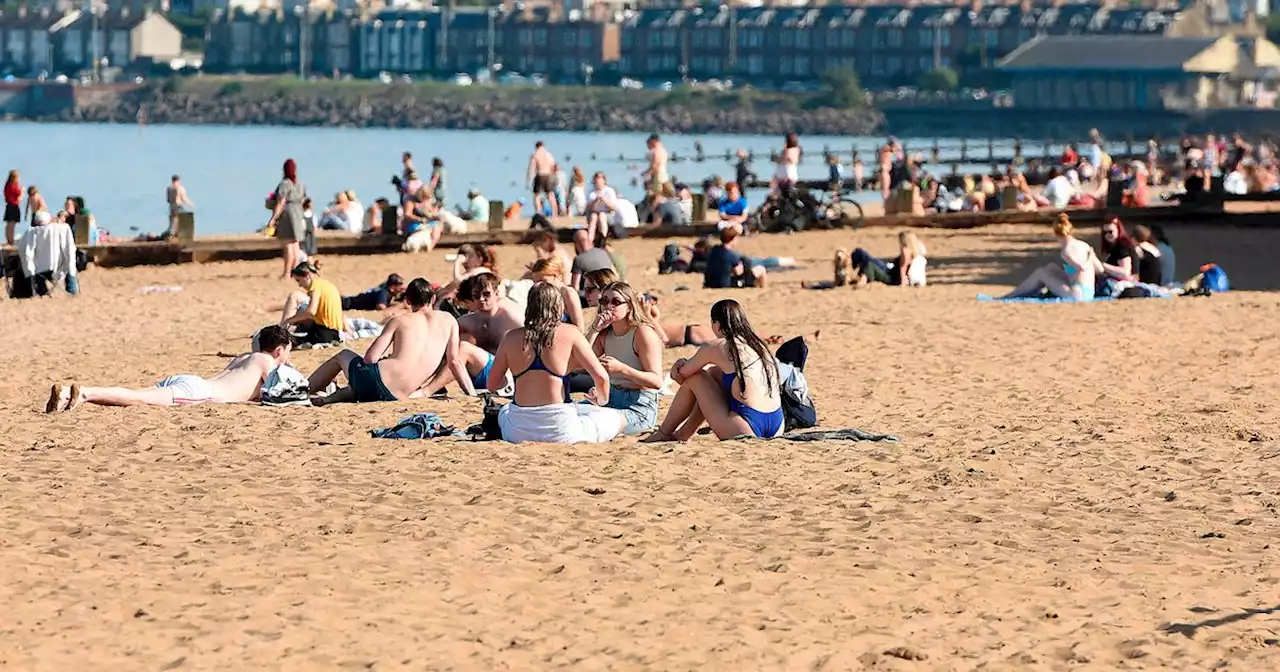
{"type": "Point", "coordinates": [204, 250]}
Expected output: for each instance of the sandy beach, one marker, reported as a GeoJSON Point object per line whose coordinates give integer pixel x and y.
{"type": "Point", "coordinates": [1077, 487]}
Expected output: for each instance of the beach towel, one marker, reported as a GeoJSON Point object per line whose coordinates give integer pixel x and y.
{"type": "Point", "coordinates": [1046, 300]}
{"type": "Point", "coordinates": [285, 386]}
{"type": "Point", "coordinates": [848, 434]}
{"type": "Point", "coordinates": [417, 426]}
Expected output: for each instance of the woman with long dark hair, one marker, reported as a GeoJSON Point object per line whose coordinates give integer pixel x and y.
{"type": "Point", "coordinates": [286, 216]}
{"type": "Point", "coordinates": [539, 357]}
{"type": "Point", "coordinates": [731, 385]}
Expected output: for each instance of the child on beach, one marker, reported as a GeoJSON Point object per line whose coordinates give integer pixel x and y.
{"type": "Point", "coordinates": [240, 381]}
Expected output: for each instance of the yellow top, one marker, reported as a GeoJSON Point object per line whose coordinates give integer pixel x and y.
{"type": "Point", "coordinates": [326, 303]}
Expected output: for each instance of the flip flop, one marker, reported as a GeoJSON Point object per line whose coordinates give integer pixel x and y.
{"type": "Point", "coordinates": [75, 399]}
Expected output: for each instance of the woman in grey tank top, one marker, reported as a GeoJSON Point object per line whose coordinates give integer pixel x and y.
{"type": "Point", "coordinates": [629, 345]}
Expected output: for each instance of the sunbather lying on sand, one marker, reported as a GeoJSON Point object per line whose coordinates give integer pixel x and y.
{"type": "Point", "coordinates": [240, 381]}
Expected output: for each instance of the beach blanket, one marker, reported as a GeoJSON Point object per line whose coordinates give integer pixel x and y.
{"type": "Point", "coordinates": [1046, 300]}
{"type": "Point", "coordinates": [417, 426]}
{"type": "Point", "coordinates": [848, 434]}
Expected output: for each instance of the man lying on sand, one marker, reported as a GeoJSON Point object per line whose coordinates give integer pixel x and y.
{"type": "Point", "coordinates": [240, 381]}
{"type": "Point", "coordinates": [419, 342]}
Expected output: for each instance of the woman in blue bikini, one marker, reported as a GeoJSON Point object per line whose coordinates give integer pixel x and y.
{"type": "Point", "coordinates": [731, 385]}
{"type": "Point", "coordinates": [1072, 278]}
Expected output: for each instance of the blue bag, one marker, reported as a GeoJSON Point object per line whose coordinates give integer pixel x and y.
{"type": "Point", "coordinates": [1215, 279]}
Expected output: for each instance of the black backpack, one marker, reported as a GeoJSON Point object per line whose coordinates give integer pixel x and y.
{"type": "Point", "coordinates": [797, 406]}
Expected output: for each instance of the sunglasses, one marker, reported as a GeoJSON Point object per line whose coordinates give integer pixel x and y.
{"type": "Point", "coordinates": [486, 294]}
{"type": "Point", "coordinates": [613, 302]}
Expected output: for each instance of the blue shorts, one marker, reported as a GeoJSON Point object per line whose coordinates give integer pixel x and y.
{"type": "Point", "coordinates": [480, 381]}
{"type": "Point", "coordinates": [639, 408]}
{"type": "Point", "coordinates": [366, 382]}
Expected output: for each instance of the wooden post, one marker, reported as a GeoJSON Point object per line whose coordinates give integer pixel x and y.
{"type": "Point", "coordinates": [186, 226]}
{"type": "Point", "coordinates": [1128, 146]}
{"type": "Point", "coordinates": [1009, 198]}
{"type": "Point", "coordinates": [1017, 152]}
{"type": "Point", "coordinates": [1047, 158]}
{"type": "Point", "coordinates": [390, 220]}
{"type": "Point", "coordinates": [964, 150]}
{"type": "Point", "coordinates": [496, 215]}
{"type": "Point", "coordinates": [700, 207]}
{"type": "Point", "coordinates": [991, 150]}
{"type": "Point", "coordinates": [935, 151]}
{"type": "Point", "coordinates": [80, 229]}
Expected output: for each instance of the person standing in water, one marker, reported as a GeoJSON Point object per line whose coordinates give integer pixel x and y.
{"type": "Point", "coordinates": [656, 175]}
{"type": "Point", "coordinates": [176, 195]}
{"type": "Point", "coordinates": [12, 206]}
{"type": "Point", "coordinates": [542, 177]}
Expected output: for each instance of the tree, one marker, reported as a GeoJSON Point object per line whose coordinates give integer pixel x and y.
{"type": "Point", "coordinates": [842, 89]}
{"type": "Point", "coordinates": [939, 79]}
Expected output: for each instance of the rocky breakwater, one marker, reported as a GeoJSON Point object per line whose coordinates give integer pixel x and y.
{"type": "Point", "coordinates": [375, 105]}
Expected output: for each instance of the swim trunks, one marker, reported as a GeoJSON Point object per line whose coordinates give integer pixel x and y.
{"type": "Point", "coordinates": [187, 390]}
{"type": "Point", "coordinates": [366, 382]}
{"type": "Point", "coordinates": [480, 381]}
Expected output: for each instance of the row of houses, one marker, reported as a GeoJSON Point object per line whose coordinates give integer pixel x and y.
{"type": "Point", "coordinates": [34, 41]}
{"type": "Point", "coordinates": [882, 43]}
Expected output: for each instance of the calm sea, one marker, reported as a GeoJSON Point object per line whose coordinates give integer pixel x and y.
{"type": "Point", "coordinates": [122, 170]}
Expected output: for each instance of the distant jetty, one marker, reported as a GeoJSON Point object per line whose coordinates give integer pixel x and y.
{"type": "Point", "coordinates": [290, 102]}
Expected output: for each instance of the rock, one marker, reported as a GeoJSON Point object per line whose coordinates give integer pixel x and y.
{"type": "Point", "coordinates": [906, 653]}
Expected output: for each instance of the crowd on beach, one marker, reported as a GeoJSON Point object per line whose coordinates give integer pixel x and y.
{"type": "Point", "coordinates": [570, 323]}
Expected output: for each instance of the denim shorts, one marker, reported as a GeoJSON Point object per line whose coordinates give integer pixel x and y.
{"type": "Point", "coordinates": [638, 407]}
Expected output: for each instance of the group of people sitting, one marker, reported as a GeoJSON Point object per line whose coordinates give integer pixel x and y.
{"type": "Point", "coordinates": [528, 339]}
{"type": "Point", "coordinates": [1143, 262]}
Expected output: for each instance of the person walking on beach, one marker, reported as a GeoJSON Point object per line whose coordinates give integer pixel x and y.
{"type": "Point", "coordinates": [436, 186]}
{"type": "Point", "coordinates": [402, 359]}
{"type": "Point", "coordinates": [176, 195]}
{"type": "Point", "coordinates": [12, 206]}
{"type": "Point", "coordinates": [542, 176]}
{"type": "Point", "coordinates": [656, 175]}
{"type": "Point", "coordinates": [286, 216]}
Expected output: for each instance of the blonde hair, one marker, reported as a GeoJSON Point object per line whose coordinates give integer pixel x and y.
{"type": "Point", "coordinates": [600, 278]}
{"type": "Point", "coordinates": [1062, 226]}
{"type": "Point", "coordinates": [542, 315]}
{"type": "Point", "coordinates": [638, 316]}
{"type": "Point", "coordinates": [910, 241]}
{"type": "Point", "coordinates": [551, 267]}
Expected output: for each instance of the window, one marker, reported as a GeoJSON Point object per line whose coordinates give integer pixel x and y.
{"type": "Point", "coordinates": [540, 64]}
{"type": "Point", "coordinates": [802, 39]}
{"type": "Point", "coordinates": [524, 38]}
{"type": "Point", "coordinates": [570, 38]}
{"type": "Point", "coordinates": [540, 37]}
{"type": "Point", "coordinates": [787, 65]}
{"type": "Point", "coordinates": [926, 63]}
{"type": "Point", "coordinates": [669, 62]}
{"type": "Point", "coordinates": [714, 38]}
{"type": "Point", "coordinates": [756, 37]}
{"type": "Point", "coordinates": [568, 66]}
{"type": "Point", "coordinates": [946, 38]}
{"type": "Point", "coordinates": [714, 64]}
{"type": "Point", "coordinates": [877, 64]}
{"type": "Point", "coordinates": [847, 38]}
{"type": "Point", "coordinates": [802, 65]}
{"type": "Point", "coordinates": [878, 38]}
{"type": "Point", "coordinates": [755, 64]}
{"type": "Point", "coordinates": [585, 38]}
{"type": "Point", "coordinates": [788, 37]}
{"type": "Point", "coordinates": [893, 65]}
{"type": "Point", "coordinates": [655, 39]}
{"type": "Point", "coordinates": [925, 37]}
{"type": "Point", "coordinates": [626, 39]}
{"type": "Point", "coordinates": [624, 64]}
{"type": "Point", "coordinates": [669, 38]}
{"type": "Point", "coordinates": [653, 64]}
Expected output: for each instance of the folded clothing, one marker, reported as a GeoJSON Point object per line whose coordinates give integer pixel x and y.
{"type": "Point", "coordinates": [417, 426]}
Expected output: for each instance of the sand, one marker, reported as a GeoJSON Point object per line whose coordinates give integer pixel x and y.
{"type": "Point", "coordinates": [1078, 487]}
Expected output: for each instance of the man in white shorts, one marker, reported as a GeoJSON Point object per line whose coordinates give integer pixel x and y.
{"type": "Point", "coordinates": [240, 381]}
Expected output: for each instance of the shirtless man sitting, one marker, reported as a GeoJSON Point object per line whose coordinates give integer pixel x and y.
{"type": "Point", "coordinates": [491, 316]}
{"type": "Point", "coordinates": [241, 380]}
{"type": "Point", "coordinates": [418, 341]}
{"type": "Point", "coordinates": [477, 359]}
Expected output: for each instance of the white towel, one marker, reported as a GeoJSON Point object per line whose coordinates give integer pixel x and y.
{"type": "Point", "coordinates": [559, 423]}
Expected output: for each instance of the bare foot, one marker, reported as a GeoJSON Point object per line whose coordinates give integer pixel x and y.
{"type": "Point", "coordinates": [55, 398]}
{"type": "Point", "coordinates": [658, 436]}
{"type": "Point", "coordinates": [318, 401]}
{"type": "Point", "coordinates": [75, 398]}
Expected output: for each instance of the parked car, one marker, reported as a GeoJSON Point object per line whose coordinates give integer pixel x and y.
{"type": "Point", "coordinates": [462, 79]}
